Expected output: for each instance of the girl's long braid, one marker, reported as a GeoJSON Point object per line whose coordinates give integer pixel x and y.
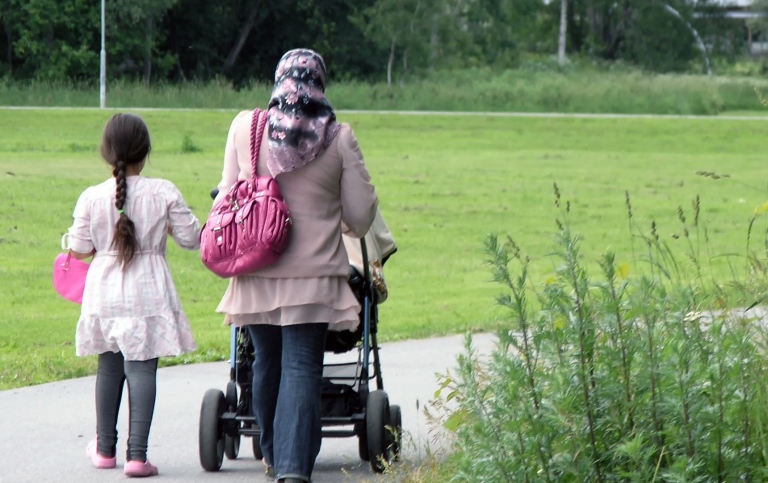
{"type": "Point", "coordinates": [125, 144]}
{"type": "Point", "coordinates": [125, 241]}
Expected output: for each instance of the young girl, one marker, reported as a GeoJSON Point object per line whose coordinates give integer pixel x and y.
{"type": "Point", "coordinates": [131, 313]}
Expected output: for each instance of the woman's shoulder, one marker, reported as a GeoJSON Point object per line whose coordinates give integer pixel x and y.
{"type": "Point", "coordinates": [345, 130]}
{"type": "Point", "coordinates": [242, 116]}
{"type": "Point", "coordinates": [346, 138]}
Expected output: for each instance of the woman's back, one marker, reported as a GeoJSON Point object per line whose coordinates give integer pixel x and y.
{"type": "Point", "coordinates": [333, 188]}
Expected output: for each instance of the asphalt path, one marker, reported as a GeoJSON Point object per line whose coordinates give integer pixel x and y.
{"type": "Point", "coordinates": [44, 429]}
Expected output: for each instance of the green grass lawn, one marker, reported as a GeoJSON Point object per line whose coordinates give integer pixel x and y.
{"type": "Point", "coordinates": [444, 184]}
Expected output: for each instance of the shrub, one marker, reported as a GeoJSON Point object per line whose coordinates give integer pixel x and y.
{"type": "Point", "coordinates": [188, 145]}
{"type": "Point", "coordinates": [647, 376]}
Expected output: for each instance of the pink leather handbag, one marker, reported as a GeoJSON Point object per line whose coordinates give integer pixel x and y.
{"type": "Point", "coordinates": [69, 277]}
{"type": "Point", "coordinates": [248, 228]}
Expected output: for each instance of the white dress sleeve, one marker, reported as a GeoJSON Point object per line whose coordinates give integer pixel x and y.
{"type": "Point", "coordinates": [79, 234]}
{"type": "Point", "coordinates": [185, 225]}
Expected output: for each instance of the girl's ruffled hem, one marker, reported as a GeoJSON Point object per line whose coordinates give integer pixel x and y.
{"type": "Point", "coordinates": [138, 338]}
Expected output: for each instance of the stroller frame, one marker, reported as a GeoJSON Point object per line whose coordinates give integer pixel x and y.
{"type": "Point", "coordinates": [226, 417]}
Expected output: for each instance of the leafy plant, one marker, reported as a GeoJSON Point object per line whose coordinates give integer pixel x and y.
{"type": "Point", "coordinates": [655, 376]}
{"type": "Point", "coordinates": [188, 145]}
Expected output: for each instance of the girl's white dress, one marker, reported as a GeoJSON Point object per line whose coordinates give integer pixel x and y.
{"type": "Point", "coordinates": [136, 311]}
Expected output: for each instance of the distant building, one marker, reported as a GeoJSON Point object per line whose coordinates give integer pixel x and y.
{"type": "Point", "coordinates": [742, 11]}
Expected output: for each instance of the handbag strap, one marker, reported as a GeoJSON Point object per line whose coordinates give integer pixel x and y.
{"type": "Point", "coordinates": [257, 133]}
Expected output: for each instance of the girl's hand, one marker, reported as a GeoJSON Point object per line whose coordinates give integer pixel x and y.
{"type": "Point", "coordinates": [82, 256]}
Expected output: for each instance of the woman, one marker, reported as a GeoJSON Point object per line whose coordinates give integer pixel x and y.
{"type": "Point", "coordinates": [287, 307]}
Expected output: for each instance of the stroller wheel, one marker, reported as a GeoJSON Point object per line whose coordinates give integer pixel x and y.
{"type": "Point", "coordinates": [211, 436]}
{"type": "Point", "coordinates": [232, 396]}
{"type": "Point", "coordinates": [231, 446]}
{"type": "Point", "coordinates": [257, 449]}
{"type": "Point", "coordinates": [362, 445]}
{"type": "Point", "coordinates": [377, 415]}
{"type": "Point", "coordinates": [396, 433]}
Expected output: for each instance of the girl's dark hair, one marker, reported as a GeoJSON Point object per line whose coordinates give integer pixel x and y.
{"type": "Point", "coordinates": [125, 143]}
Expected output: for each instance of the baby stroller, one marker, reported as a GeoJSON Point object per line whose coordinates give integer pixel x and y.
{"type": "Point", "coordinates": [350, 408]}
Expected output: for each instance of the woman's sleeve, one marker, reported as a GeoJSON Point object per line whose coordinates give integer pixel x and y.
{"type": "Point", "coordinates": [231, 167]}
{"type": "Point", "coordinates": [79, 234]}
{"type": "Point", "coordinates": [184, 224]}
{"type": "Point", "coordinates": [358, 196]}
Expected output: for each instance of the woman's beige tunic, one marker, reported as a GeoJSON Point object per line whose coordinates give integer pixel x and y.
{"type": "Point", "coordinates": [309, 282]}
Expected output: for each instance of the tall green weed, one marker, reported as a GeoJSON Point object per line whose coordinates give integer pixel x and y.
{"type": "Point", "coordinates": [651, 371]}
{"type": "Point", "coordinates": [619, 91]}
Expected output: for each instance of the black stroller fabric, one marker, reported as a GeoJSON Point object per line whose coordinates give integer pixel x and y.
{"type": "Point", "coordinates": [343, 341]}
{"type": "Point", "coordinates": [339, 400]}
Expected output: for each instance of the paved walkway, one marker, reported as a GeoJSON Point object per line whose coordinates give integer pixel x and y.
{"type": "Point", "coordinates": [44, 429]}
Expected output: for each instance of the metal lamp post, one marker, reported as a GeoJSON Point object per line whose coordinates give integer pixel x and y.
{"type": "Point", "coordinates": [103, 75]}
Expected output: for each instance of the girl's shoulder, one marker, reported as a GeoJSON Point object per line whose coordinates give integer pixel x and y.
{"type": "Point", "coordinates": [162, 187]}
{"type": "Point", "coordinates": [105, 187]}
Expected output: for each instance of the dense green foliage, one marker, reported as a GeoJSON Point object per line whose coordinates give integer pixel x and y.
{"type": "Point", "coordinates": [175, 40]}
{"type": "Point", "coordinates": [650, 371]}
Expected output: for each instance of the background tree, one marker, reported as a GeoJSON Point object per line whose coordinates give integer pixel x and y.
{"type": "Point", "coordinates": [240, 41]}
{"type": "Point", "coordinates": [134, 35]}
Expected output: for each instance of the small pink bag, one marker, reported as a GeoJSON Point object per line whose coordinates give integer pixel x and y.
{"type": "Point", "coordinates": [69, 276]}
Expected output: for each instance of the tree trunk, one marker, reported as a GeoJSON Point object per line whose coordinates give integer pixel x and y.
{"type": "Point", "coordinates": [693, 31]}
{"type": "Point", "coordinates": [245, 31]}
{"type": "Point", "coordinates": [9, 48]}
{"type": "Point", "coordinates": [592, 24]}
{"type": "Point", "coordinates": [563, 31]}
{"type": "Point", "coordinates": [391, 61]}
{"type": "Point", "coordinates": [401, 80]}
{"type": "Point", "coordinates": [434, 43]}
{"type": "Point", "coordinates": [150, 27]}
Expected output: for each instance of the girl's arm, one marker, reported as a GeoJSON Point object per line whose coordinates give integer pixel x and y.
{"type": "Point", "coordinates": [358, 197]}
{"type": "Point", "coordinates": [78, 238]}
{"type": "Point", "coordinates": [183, 225]}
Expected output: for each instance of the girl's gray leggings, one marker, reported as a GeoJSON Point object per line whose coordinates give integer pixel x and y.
{"type": "Point", "coordinates": [112, 372]}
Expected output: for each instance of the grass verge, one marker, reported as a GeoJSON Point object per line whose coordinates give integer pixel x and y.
{"type": "Point", "coordinates": [444, 183]}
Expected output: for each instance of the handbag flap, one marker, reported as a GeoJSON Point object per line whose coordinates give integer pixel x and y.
{"type": "Point", "coordinates": [244, 211]}
{"type": "Point", "coordinates": [220, 220]}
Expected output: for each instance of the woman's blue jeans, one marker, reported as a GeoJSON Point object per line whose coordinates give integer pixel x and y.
{"type": "Point", "coordinates": [287, 380]}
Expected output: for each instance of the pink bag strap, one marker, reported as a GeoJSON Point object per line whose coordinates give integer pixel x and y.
{"type": "Point", "coordinates": [257, 132]}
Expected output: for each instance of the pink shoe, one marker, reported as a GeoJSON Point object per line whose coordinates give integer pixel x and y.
{"type": "Point", "coordinates": [139, 468]}
{"type": "Point", "coordinates": [101, 462]}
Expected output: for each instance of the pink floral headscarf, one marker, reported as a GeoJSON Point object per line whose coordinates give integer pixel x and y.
{"type": "Point", "coordinates": [301, 120]}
